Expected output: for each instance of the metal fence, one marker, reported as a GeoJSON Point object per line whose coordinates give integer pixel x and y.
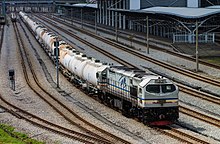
{"type": "Point", "coordinates": [191, 38]}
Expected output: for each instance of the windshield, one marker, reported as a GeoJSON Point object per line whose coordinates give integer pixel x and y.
{"type": "Point", "coordinates": [153, 88]}
{"type": "Point", "coordinates": [167, 88]}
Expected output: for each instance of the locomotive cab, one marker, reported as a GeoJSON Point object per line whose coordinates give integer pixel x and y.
{"type": "Point", "coordinates": [161, 96]}
{"type": "Point", "coordinates": [155, 91]}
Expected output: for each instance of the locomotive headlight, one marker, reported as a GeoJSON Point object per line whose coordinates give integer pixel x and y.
{"type": "Point", "coordinates": [141, 101]}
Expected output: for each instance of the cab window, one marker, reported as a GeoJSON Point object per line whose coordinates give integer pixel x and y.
{"type": "Point", "coordinates": [168, 88]}
{"type": "Point", "coordinates": [153, 88]}
{"type": "Point", "coordinates": [140, 90]}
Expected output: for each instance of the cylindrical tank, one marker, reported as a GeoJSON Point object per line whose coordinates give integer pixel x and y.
{"type": "Point", "coordinates": [79, 64]}
{"type": "Point", "coordinates": [90, 70]}
{"type": "Point", "coordinates": [44, 37]}
{"type": "Point", "coordinates": [73, 62]}
{"type": "Point", "coordinates": [50, 43]}
{"type": "Point", "coordinates": [39, 32]}
{"type": "Point", "coordinates": [47, 39]}
{"type": "Point", "coordinates": [67, 58]}
{"type": "Point", "coordinates": [62, 55]}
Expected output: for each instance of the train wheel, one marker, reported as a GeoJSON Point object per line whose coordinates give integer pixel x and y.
{"type": "Point", "coordinates": [125, 113]}
{"type": "Point", "coordinates": [100, 98]}
{"type": "Point", "coordinates": [126, 106]}
{"type": "Point", "coordinates": [144, 121]}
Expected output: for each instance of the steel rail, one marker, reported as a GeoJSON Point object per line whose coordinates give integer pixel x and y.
{"type": "Point", "coordinates": [191, 138]}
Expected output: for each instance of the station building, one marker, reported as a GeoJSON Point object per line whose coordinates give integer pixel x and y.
{"type": "Point", "coordinates": [173, 19]}
{"type": "Point", "coordinates": [176, 20]}
{"type": "Point", "coordinates": [28, 5]}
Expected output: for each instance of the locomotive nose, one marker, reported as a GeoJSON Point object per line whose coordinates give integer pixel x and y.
{"type": "Point", "coordinates": [161, 116]}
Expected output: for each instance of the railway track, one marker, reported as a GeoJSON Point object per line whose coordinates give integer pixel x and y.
{"type": "Point", "coordinates": [208, 119]}
{"type": "Point", "coordinates": [189, 112]}
{"type": "Point", "coordinates": [199, 94]}
{"type": "Point", "coordinates": [185, 137]}
{"type": "Point", "coordinates": [39, 122]}
{"type": "Point", "coordinates": [181, 135]}
{"type": "Point", "coordinates": [170, 67]}
{"type": "Point", "coordinates": [66, 112]}
{"type": "Point", "coordinates": [142, 42]}
{"type": "Point", "coordinates": [149, 59]}
{"type": "Point", "coordinates": [190, 91]}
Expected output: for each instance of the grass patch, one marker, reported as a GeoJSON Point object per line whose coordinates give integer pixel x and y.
{"type": "Point", "coordinates": [9, 136]}
{"type": "Point", "coordinates": [214, 60]}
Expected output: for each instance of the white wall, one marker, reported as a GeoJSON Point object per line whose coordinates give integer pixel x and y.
{"type": "Point", "coordinates": [193, 3]}
{"type": "Point", "coordinates": [135, 4]}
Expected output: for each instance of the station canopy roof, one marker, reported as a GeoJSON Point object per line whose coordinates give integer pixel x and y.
{"type": "Point", "coordinates": [86, 5]}
{"type": "Point", "coordinates": [183, 12]}
{"type": "Point", "coordinates": [81, 5]}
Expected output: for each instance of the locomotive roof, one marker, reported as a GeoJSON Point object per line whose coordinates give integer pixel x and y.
{"type": "Point", "coordinates": [134, 72]}
{"type": "Point", "coordinates": [141, 75]}
{"type": "Point", "coordinates": [146, 80]}
{"type": "Point", "coordinates": [127, 68]}
{"type": "Point", "coordinates": [154, 79]}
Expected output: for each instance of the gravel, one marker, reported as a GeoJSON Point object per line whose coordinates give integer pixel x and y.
{"type": "Point", "coordinates": [189, 101]}
{"type": "Point", "coordinates": [23, 97]}
{"type": "Point", "coordinates": [134, 131]}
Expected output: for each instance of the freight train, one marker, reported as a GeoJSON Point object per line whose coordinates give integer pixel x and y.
{"type": "Point", "coordinates": [150, 98]}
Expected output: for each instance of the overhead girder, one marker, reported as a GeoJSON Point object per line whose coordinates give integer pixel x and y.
{"type": "Point", "coordinates": [175, 22]}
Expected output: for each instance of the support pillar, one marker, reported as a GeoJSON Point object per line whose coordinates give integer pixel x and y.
{"type": "Point", "coordinates": [197, 53]}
